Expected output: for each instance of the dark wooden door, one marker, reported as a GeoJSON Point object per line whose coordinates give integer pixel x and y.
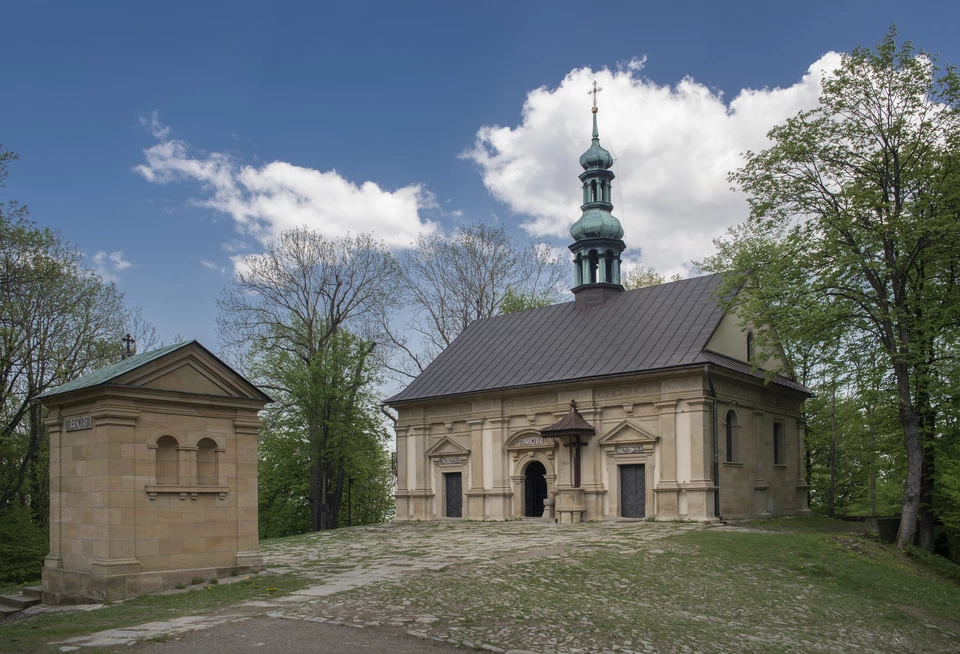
{"type": "Point", "coordinates": [633, 492]}
{"type": "Point", "coordinates": [454, 494]}
{"type": "Point", "coordinates": [535, 490]}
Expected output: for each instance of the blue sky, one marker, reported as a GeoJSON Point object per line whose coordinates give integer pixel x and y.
{"type": "Point", "coordinates": [394, 94]}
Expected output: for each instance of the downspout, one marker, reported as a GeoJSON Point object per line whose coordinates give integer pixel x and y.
{"type": "Point", "coordinates": [716, 438]}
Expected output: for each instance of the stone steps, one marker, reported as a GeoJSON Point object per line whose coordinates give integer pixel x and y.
{"type": "Point", "coordinates": [10, 604]}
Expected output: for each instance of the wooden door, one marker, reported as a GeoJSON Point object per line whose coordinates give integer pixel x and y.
{"type": "Point", "coordinates": [633, 491]}
{"type": "Point", "coordinates": [453, 494]}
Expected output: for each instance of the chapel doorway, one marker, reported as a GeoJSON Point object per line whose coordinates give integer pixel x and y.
{"type": "Point", "coordinates": [633, 491]}
{"type": "Point", "coordinates": [453, 494]}
{"type": "Point", "coordinates": [534, 490]}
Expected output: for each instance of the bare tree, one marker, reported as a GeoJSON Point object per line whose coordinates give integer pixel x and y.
{"type": "Point", "coordinates": [286, 316]}
{"type": "Point", "coordinates": [450, 282]}
{"type": "Point", "coordinates": [143, 332]}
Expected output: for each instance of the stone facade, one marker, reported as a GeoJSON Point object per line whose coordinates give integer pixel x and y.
{"type": "Point", "coordinates": [153, 479]}
{"type": "Point", "coordinates": [661, 421]}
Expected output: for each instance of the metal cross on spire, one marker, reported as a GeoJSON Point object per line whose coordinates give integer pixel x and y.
{"type": "Point", "coordinates": [128, 341]}
{"type": "Point", "coordinates": [596, 89]}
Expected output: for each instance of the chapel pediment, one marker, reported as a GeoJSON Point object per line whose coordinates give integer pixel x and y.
{"type": "Point", "coordinates": [185, 367]}
{"type": "Point", "coordinates": [446, 446]}
{"type": "Point", "coordinates": [628, 431]}
{"type": "Point", "coordinates": [189, 370]}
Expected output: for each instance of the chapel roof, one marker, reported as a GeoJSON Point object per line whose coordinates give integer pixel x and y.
{"type": "Point", "coordinates": [644, 330]}
{"type": "Point", "coordinates": [110, 374]}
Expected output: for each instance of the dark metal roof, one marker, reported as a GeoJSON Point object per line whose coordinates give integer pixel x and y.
{"type": "Point", "coordinates": [739, 366]}
{"type": "Point", "coordinates": [571, 424]}
{"type": "Point", "coordinates": [654, 328]}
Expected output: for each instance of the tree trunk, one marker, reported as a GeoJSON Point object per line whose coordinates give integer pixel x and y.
{"type": "Point", "coordinates": [873, 475]}
{"type": "Point", "coordinates": [316, 498]}
{"type": "Point", "coordinates": [833, 454]}
{"type": "Point", "coordinates": [926, 528]}
{"type": "Point", "coordinates": [911, 486]}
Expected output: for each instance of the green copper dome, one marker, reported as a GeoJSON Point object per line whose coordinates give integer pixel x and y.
{"type": "Point", "coordinates": [598, 235]}
{"type": "Point", "coordinates": [596, 223]}
{"type": "Point", "coordinates": [597, 156]}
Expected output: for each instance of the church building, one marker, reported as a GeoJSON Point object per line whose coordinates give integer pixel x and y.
{"type": "Point", "coordinates": [617, 405]}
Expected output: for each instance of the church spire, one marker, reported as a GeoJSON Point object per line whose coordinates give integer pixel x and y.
{"type": "Point", "coordinates": [598, 234]}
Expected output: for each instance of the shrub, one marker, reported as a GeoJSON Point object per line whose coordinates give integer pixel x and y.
{"type": "Point", "coordinates": [23, 544]}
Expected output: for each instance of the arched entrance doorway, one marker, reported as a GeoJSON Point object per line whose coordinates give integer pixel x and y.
{"type": "Point", "coordinates": [534, 490]}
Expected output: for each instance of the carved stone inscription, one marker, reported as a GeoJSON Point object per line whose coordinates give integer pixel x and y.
{"type": "Point", "coordinates": [80, 422]}
{"type": "Point", "coordinates": [532, 440]}
{"type": "Point", "coordinates": [450, 460]}
{"type": "Point", "coordinates": [632, 449]}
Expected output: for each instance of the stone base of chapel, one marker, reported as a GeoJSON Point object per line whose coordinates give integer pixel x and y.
{"type": "Point", "coordinates": [118, 579]}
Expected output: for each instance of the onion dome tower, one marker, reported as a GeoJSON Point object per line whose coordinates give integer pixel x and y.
{"type": "Point", "coordinates": [598, 235]}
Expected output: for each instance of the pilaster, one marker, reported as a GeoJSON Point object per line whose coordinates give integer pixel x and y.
{"type": "Point", "coordinates": [761, 485]}
{"type": "Point", "coordinates": [699, 491]}
{"type": "Point", "coordinates": [666, 491]}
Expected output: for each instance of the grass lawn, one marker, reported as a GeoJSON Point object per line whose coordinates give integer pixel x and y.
{"type": "Point", "coordinates": [32, 634]}
{"type": "Point", "coordinates": [791, 585]}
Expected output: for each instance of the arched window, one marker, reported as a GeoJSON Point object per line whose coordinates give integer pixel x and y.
{"type": "Point", "coordinates": [750, 346]}
{"type": "Point", "coordinates": [594, 261]}
{"type": "Point", "coordinates": [608, 262]}
{"type": "Point", "coordinates": [207, 473]}
{"type": "Point", "coordinates": [732, 443]}
{"type": "Point", "coordinates": [168, 467]}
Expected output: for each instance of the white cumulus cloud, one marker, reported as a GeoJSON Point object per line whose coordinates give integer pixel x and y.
{"type": "Point", "coordinates": [674, 146]}
{"type": "Point", "coordinates": [108, 265]}
{"type": "Point", "coordinates": [265, 200]}
{"type": "Point", "coordinates": [209, 265]}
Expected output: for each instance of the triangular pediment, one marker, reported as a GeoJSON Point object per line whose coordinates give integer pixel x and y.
{"type": "Point", "coordinates": [191, 369]}
{"type": "Point", "coordinates": [628, 431]}
{"type": "Point", "coordinates": [446, 446]}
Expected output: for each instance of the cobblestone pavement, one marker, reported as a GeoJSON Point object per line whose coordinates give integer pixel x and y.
{"type": "Point", "coordinates": [529, 586]}
{"type": "Point", "coordinates": [341, 561]}
{"type": "Point", "coordinates": [349, 559]}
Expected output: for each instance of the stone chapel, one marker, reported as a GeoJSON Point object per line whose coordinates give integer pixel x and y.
{"type": "Point", "coordinates": [153, 476]}
{"type": "Point", "coordinates": [617, 405]}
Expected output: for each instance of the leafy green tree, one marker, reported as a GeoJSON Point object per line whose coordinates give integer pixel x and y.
{"type": "Point", "coordinates": [294, 317]}
{"type": "Point", "coordinates": [854, 229]}
{"type": "Point", "coordinates": [57, 322]}
{"type": "Point", "coordinates": [517, 300]}
{"type": "Point", "coordinates": [643, 276]}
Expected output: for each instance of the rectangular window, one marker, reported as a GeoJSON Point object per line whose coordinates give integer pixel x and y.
{"type": "Point", "coordinates": [778, 443]}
